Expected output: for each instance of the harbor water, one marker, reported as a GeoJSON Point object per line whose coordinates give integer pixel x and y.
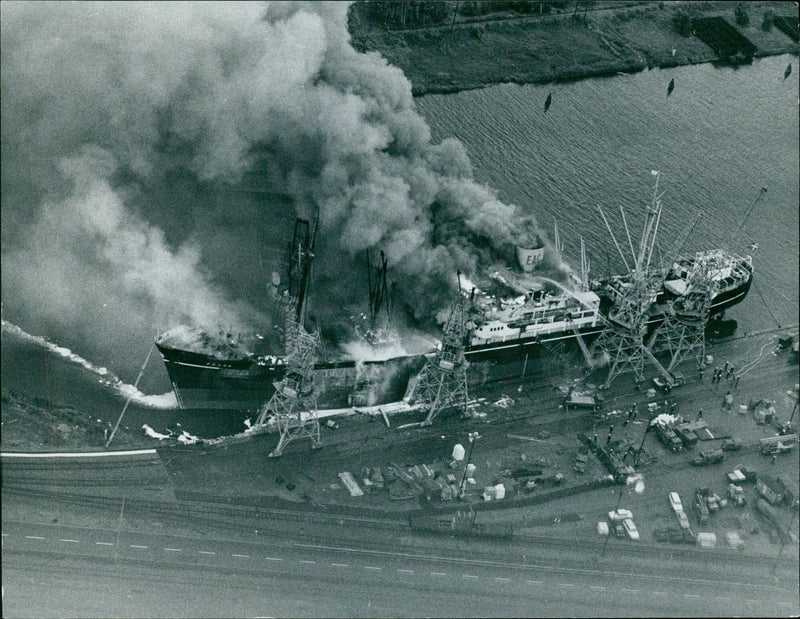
{"type": "Point", "coordinates": [721, 135]}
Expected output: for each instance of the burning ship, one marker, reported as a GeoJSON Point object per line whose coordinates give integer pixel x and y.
{"type": "Point", "coordinates": [512, 312]}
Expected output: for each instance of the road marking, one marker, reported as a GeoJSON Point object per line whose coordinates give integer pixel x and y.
{"type": "Point", "coordinates": [753, 601]}
{"type": "Point", "coordinates": [242, 556]}
{"type": "Point", "coordinates": [468, 576]}
{"type": "Point", "coordinates": [173, 549]}
{"type": "Point", "coordinates": [5, 534]}
{"type": "Point", "coordinates": [438, 574]}
{"type": "Point", "coordinates": [273, 559]}
{"type": "Point", "coordinates": [369, 567]}
{"type": "Point", "coordinates": [659, 593]}
{"type": "Point", "coordinates": [135, 546]}
{"type": "Point", "coordinates": [33, 537]}
{"type": "Point", "coordinates": [723, 598]}
{"type": "Point", "coordinates": [340, 564]}
{"type": "Point", "coordinates": [534, 582]}
{"type": "Point", "coordinates": [690, 595]}
{"type": "Point", "coordinates": [405, 571]}
{"type": "Point", "coordinates": [71, 541]}
{"type": "Point", "coordinates": [596, 587]}
{"type": "Point", "coordinates": [631, 590]}
{"type": "Point", "coordinates": [305, 561]}
{"type": "Point", "coordinates": [205, 552]}
{"type": "Point", "coordinates": [502, 579]}
{"type": "Point", "coordinates": [104, 543]}
{"type": "Point", "coordinates": [565, 584]}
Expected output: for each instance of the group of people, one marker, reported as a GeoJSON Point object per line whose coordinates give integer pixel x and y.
{"type": "Point", "coordinates": [729, 372]}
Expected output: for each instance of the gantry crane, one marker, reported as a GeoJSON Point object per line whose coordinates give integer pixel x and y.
{"type": "Point", "coordinates": [622, 339]}
{"type": "Point", "coordinates": [442, 382]}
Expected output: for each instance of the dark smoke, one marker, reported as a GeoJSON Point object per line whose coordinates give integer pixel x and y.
{"type": "Point", "coordinates": [133, 135]}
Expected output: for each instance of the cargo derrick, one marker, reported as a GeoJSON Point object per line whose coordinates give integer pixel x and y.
{"type": "Point", "coordinates": [442, 382]}
{"type": "Point", "coordinates": [622, 338]}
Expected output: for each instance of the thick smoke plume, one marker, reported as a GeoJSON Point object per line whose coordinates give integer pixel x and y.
{"type": "Point", "coordinates": [135, 134]}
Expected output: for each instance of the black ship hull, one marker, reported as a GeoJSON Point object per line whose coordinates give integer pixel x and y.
{"type": "Point", "coordinates": [206, 382]}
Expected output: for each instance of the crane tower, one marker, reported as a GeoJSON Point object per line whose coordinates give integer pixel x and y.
{"type": "Point", "coordinates": [622, 339]}
{"type": "Point", "coordinates": [442, 382]}
{"type": "Point", "coordinates": [294, 403]}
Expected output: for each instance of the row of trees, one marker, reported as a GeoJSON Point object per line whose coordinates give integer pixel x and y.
{"type": "Point", "coordinates": [409, 13]}
{"type": "Point", "coordinates": [414, 13]}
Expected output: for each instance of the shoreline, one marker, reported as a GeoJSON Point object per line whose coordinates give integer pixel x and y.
{"type": "Point", "coordinates": [556, 48]}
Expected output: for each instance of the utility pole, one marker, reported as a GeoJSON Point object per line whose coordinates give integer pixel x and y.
{"type": "Point", "coordinates": [473, 438]}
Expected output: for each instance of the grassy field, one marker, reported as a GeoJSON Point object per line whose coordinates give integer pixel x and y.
{"type": "Point", "coordinates": [556, 46]}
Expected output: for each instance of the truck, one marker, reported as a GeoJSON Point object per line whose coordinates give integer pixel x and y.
{"type": "Point", "coordinates": [582, 400]}
{"type": "Point", "coordinates": [731, 444]}
{"type": "Point", "coordinates": [713, 456]}
{"type": "Point", "coordinates": [777, 444]}
{"type": "Point", "coordinates": [700, 506]}
{"type": "Point", "coordinates": [668, 437]}
{"type": "Point", "coordinates": [736, 495]}
{"type": "Point", "coordinates": [687, 436]}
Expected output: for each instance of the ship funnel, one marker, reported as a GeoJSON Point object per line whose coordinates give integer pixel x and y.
{"type": "Point", "coordinates": [529, 258]}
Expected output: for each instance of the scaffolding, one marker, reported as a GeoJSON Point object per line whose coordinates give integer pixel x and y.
{"type": "Point", "coordinates": [294, 403]}
{"type": "Point", "coordinates": [442, 382]}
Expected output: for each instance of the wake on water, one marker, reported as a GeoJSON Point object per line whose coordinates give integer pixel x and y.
{"type": "Point", "coordinates": [163, 401]}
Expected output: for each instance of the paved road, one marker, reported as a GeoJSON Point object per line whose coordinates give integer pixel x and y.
{"type": "Point", "coordinates": [54, 570]}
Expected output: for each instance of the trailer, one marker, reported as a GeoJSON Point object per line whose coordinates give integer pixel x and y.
{"type": "Point", "coordinates": [777, 444]}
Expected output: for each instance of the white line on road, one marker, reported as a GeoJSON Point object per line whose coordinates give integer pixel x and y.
{"type": "Point", "coordinates": [534, 582]}
{"type": "Point", "coordinates": [242, 556]}
{"type": "Point", "coordinates": [135, 546]}
{"type": "Point", "coordinates": [369, 567]}
{"type": "Point", "coordinates": [306, 561]}
{"type": "Point", "coordinates": [71, 541]}
{"type": "Point", "coordinates": [5, 534]}
{"type": "Point", "coordinates": [273, 559]}
{"type": "Point", "coordinates": [690, 595]}
{"type": "Point", "coordinates": [104, 543]}
{"type": "Point", "coordinates": [659, 593]}
{"type": "Point", "coordinates": [631, 590]}
{"type": "Point", "coordinates": [753, 601]}
{"type": "Point", "coordinates": [565, 584]}
{"type": "Point", "coordinates": [340, 564]}
{"type": "Point", "coordinates": [596, 587]}
{"type": "Point", "coordinates": [501, 578]}
{"type": "Point", "coordinates": [33, 537]}
{"type": "Point", "coordinates": [468, 576]}
{"type": "Point", "coordinates": [173, 549]}
{"type": "Point", "coordinates": [205, 552]}
{"type": "Point", "coordinates": [438, 574]}
{"type": "Point", "coordinates": [405, 571]}
{"type": "Point", "coordinates": [724, 599]}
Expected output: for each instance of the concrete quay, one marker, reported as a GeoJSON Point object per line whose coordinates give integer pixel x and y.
{"type": "Point", "coordinates": [523, 430]}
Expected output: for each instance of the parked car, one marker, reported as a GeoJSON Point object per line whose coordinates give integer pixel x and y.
{"type": "Point", "coordinates": [731, 444]}
{"type": "Point", "coordinates": [630, 528]}
{"type": "Point", "coordinates": [619, 530]}
{"type": "Point", "coordinates": [619, 515]}
{"type": "Point", "coordinates": [683, 519]}
{"type": "Point", "coordinates": [675, 501]}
